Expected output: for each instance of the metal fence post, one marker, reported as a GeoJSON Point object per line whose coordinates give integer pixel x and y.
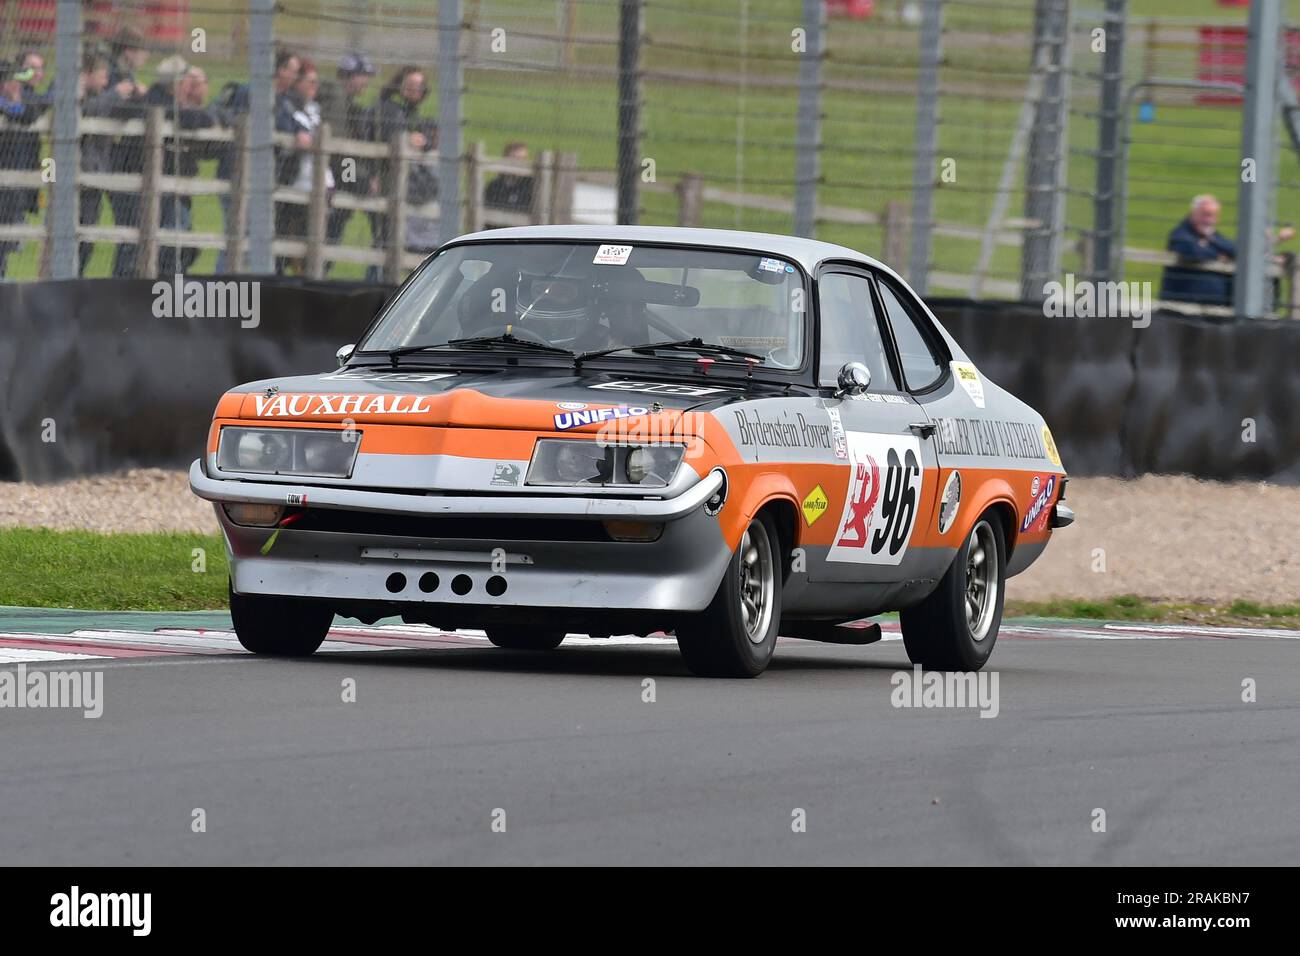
{"type": "Point", "coordinates": [261, 144]}
{"type": "Point", "coordinates": [630, 27]}
{"type": "Point", "coordinates": [451, 82]}
{"type": "Point", "coordinates": [1250, 291]}
{"type": "Point", "coordinates": [927, 142]}
{"type": "Point", "coordinates": [1105, 202]}
{"type": "Point", "coordinates": [1045, 167]}
{"type": "Point", "coordinates": [808, 132]}
{"type": "Point", "coordinates": [64, 203]}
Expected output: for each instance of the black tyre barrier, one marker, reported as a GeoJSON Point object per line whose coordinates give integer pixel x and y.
{"type": "Point", "coordinates": [93, 380]}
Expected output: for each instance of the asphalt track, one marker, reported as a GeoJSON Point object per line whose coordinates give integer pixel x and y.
{"type": "Point", "coordinates": [446, 732]}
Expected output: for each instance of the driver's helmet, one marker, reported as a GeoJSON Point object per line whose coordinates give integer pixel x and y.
{"type": "Point", "coordinates": [556, 307]}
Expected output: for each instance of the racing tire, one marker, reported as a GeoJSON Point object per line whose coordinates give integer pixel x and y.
{"type": "Point", "coordinates": [955, 628]}
{"type": "Point", "coordinates": [525, 641]}
{"type": "Point", "coordinates": [735, 635]}
{"type": "Point", "coordinates": [279, 626]}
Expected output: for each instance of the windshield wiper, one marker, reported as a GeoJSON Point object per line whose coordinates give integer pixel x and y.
{"type": "Point", "coordinates": [693, 345]}
{"type": "Point", "coordinates": [507, 338]}
{"type": "Point", "coordinates": [483, 342]}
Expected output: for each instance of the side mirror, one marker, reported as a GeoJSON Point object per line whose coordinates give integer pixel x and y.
{"type": "Point", "coordinates": [344, 354]}
{"type": "Point", "coordinates": [854, 379]}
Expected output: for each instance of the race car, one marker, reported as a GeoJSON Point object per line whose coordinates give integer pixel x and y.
{"type": "Point", "coordinates": [725, 436]}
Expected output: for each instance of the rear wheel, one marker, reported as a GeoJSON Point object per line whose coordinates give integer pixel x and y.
{"type": "Point", "coordinates": [279, 626]}
{"type": "Point", "coordinates": [736, 635]}
{"type": "Point", "coordinates": [525, 640]}
{"type": "Point", "coordinates": [955, 628]}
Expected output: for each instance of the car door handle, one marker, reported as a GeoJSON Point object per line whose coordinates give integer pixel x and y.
{"type": "Point", "coordinates": [924, 429]}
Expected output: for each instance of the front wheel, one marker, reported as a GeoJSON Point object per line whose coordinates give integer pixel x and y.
{"type": "Point", "coordinates": [735, 635]}
{"type": "Point", "coordinates": [279, 626]}
{"type": "Point", "coordinates": [955, 628]}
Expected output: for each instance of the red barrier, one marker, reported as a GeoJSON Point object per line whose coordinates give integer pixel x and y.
{"type": "Point", "coordinates": [1222, 59]}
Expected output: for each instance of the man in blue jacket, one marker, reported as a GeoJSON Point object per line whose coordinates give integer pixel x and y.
{"type": "Point", "coordinates": [1197, 242]}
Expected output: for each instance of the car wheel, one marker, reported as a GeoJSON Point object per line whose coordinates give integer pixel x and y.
{"type": "Point", "coordinates": [279, 626]}
{"type": "Point", "coordinates": [736, 635]}
{"type": "Point", "coordinates": [525, 641]}
{"type": "Point", "coordinates": [955, 628]}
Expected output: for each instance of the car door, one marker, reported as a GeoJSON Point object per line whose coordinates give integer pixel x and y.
{"type": "Point", "coordinates": [889, 470]}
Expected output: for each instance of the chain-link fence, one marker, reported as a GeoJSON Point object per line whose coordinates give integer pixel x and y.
{"type": "Point", "coordinates": [982, 147]}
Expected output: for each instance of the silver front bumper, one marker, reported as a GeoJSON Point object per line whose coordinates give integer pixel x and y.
{"type": "Point", "coordinates": [536, 505]}
{"type": "Point", "coordinates": [678, 572]}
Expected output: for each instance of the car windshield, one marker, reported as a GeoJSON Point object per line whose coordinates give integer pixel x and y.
{"type": "Point", "coordinates": [591, 296]}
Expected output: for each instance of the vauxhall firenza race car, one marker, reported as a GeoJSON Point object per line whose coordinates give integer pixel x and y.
{"type": "Point", "coordinates": [723, 435]}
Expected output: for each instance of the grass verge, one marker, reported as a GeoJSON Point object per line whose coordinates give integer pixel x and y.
{"type": "Point", "coordinates": [187, 572]}
{"type": "Point", "coordinates": [1130, 607]}
{"type": "Point", "coordinates": [118, 572]}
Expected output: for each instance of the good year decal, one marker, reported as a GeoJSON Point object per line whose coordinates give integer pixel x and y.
{"type": "Point", "coordinates": [884, 495]}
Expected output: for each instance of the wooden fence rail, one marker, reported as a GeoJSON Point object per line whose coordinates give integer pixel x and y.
{"type": "Point", "coordinates": [555, 178]}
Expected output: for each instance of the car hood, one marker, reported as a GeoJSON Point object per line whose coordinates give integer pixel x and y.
{"type": "Point", "coordinates": [537, 399]}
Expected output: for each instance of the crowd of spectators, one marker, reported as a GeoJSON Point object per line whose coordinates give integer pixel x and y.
{"type": "Point", "coordinates": [109, 86]}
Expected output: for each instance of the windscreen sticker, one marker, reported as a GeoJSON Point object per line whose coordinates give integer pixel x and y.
{"type": "Point", "coordinates": [883, 498]}
{"type": "Point", "coordinates": [609, 255]}
{"type": "Point", "coordinates": [770, 265]}
{"type": "Point", "coordinates": [753, 341]}
{"type": "Point", "coordinates": [969, 377]}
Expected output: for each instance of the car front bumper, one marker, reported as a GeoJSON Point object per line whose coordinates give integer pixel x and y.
{"type": "Point", "coordinates": [679, 571]}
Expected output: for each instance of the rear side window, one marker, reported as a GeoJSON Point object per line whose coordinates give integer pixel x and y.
{"type": "Point", "coordinates": [921, 366]}
{"type": "Point", "coordinates": [850, 331]}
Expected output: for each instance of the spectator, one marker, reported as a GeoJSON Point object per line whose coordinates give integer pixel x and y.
{"type": "Point", "coordinates": [1196, 241]}
{"type": "Point", "coordinates": [421, 188]}
{"type": "Point", "coordinates": [96, 100]}
{"type": "Point", "coordinates": [228, 107]}
{"type": "Point", "coordinates": [396, 112]}
{"type": "Point", "coordinates": [181, 157]}
{"type": "Point", "coordinates": [129, 55]}
{"type": "Point", "coordinates": [35, 100]}
{"type": "Point", "coordinates": [20, 149]}
{"type": "Point", "coordinates": [303, 119]}
{"type": "Point", "coordinates": [130, 101]}
{"type": "Point", "coordinates": [341, 109]}
{"type": "Point", "coordinates": [509, 191]}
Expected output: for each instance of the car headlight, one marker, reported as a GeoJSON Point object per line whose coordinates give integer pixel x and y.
{"type": "Point", "coordinates": [310, 452]}
{"type": "Point", "coordinates": [560, 462]}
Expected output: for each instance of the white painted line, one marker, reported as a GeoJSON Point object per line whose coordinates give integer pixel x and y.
{"type": "Point", "coordinates": [29, 655]}
{"type": "Point", "coordinates": [1195, 630]}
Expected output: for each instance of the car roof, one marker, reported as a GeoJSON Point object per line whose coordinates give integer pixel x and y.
{"type": "Point", "coordinates": [809, 253]}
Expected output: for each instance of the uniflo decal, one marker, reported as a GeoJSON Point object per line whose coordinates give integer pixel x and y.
{"type": "Point", "coordinates": [590, 416]}
{"type": "Point", "coordinates": [1036, 516]}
